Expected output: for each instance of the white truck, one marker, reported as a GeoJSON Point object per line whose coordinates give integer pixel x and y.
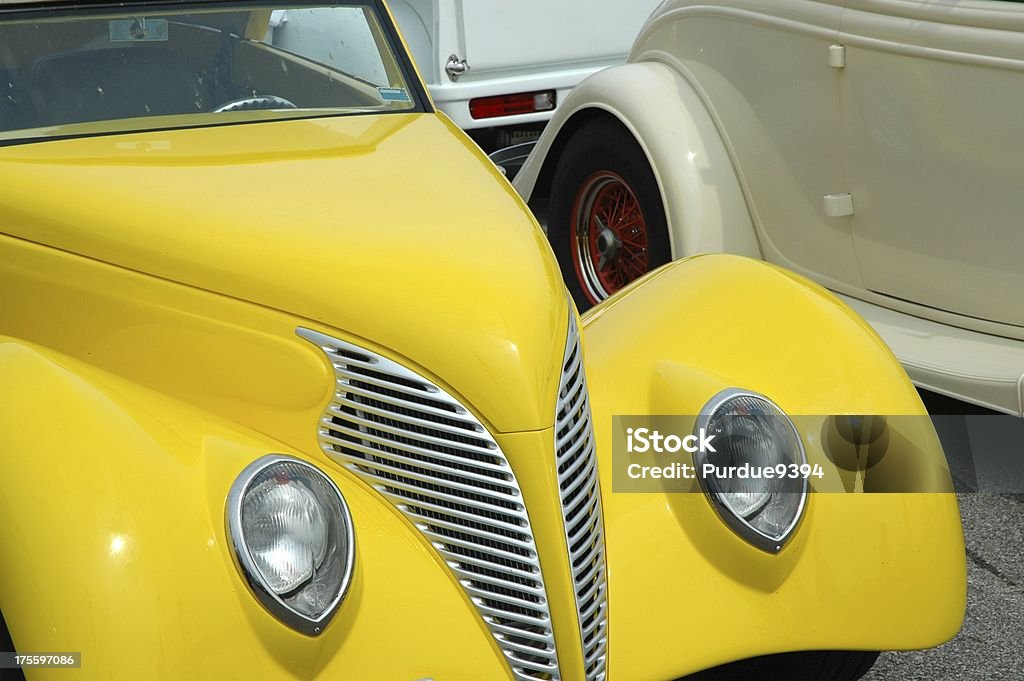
{"type": "Point", "coordinates": [499, 68]}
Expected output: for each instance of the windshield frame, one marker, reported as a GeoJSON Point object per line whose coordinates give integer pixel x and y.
{"type": "Point", "coordinates": [48, 9]}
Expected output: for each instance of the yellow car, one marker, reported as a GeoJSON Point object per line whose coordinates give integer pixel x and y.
{"type": "Point", "coordinates": [292, 389]}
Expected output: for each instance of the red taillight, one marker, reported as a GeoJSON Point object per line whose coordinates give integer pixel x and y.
{"type": "Point", "coordinates": [512, 105]}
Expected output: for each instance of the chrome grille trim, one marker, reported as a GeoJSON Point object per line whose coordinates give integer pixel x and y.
{"type": "Point", "coordinates": [576, 459]}
{"type": "Point", "coordinates": [436, 462]}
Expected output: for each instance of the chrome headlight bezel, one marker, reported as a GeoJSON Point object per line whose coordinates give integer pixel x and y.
{"type": "Point", "coordinates": [268, 598]}
{"type": "Point", "coordinates": [740, 525]}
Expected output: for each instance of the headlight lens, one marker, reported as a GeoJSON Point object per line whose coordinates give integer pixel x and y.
{"type": "Point", "coordinates": [292, 535]}
{"type": "Point", "coordinates": [754, 442]}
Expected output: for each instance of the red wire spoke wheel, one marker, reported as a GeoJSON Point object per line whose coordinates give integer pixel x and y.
{"type": "Point", "coordinates": [606, 221]}
{"type": "Point", "coordinates": [609, 242]}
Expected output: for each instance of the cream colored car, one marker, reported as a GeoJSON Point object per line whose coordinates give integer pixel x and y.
{"type": "Point", "coordinates": [873, 145]}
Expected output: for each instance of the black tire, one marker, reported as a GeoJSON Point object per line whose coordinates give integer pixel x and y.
{"type": "Point", "coordinates": [603, 150]}
{"type": "Point", "coordinates": [7, 646]}
{"type": "Point", "coordinates": [825, 665]}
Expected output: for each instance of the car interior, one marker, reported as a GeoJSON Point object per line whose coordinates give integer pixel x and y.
{"type": "Point", "coordinates": [93, 70]}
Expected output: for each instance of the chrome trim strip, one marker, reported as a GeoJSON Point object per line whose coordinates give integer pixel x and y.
{"type": "Point", "coordinates": [580, 497]}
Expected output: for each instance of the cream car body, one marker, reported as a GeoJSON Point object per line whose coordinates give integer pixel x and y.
{"type": "Point", "coordinates": [871, 145]}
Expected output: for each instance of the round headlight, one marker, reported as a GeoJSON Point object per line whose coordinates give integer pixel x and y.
{"type": "Point", "coordinates": [293, 538]}
{"type": "Point", "coordinates": [757, 485]}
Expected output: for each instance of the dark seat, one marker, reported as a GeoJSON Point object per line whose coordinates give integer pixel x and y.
{"type": "Point", "coordinates": [11, 117]}
{"type": "Point", "coordinates": [113, 83]}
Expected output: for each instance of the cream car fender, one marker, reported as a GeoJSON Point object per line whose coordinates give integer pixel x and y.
{"type": "Point", "coordinates": [703, 199]}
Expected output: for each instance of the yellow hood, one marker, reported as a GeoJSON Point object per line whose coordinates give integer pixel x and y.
{"type": "Point", "coordinates": [391, 228]}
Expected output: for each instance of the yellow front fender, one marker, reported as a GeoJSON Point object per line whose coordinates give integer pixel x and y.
{"type": "Point", "coordinates": [863, 571]}
{"type": "Point", "coordinates": [114, 545]}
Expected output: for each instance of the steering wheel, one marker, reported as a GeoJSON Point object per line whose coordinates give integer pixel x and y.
{"type": "Point", "coordinates": [256, 103]}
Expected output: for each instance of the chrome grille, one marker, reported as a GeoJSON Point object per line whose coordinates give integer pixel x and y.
{"type": "Point", "coordinates": [425, 452]}
{"type": "Point", "coordinates": [576, 458]}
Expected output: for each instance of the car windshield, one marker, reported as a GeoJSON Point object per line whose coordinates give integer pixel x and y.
{"type": "Point", "coordinates": [81, 72]}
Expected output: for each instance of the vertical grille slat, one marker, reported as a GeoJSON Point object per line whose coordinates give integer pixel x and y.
{"type": "Point", "coordinates": [576, 493]}
{"type": "Point", "coordinates": [401, 485]}
{"type": "Point", "coordinates": [410, 422]}
{"type": "Point", "coordinates": [393, 429]}
{"type": "Point", "coordinates": [398, 391]}
{"type": "Point", "coordinates": [494, 523]}
{"type": "Point", "coordinates": [469, 566]}
{"type": "Point", "coordinates": [570, 437]}
{"type": "Point", "coordinates": [438, 461]}
{"type": "Point", "coordinates": [576, 462]}
{"type": "Point", "coordinates": [437, 521]}
{"type": "Point", "coordinates": [427, 471]}
{"type": "Point", "coordinates": [402, 406]}
{"type": "Point", "coordinates": [520, 635]}
{"type": "Point", "coordinates": [479, 578]}
{"type": "Point", "coordinates": [432, 458]}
